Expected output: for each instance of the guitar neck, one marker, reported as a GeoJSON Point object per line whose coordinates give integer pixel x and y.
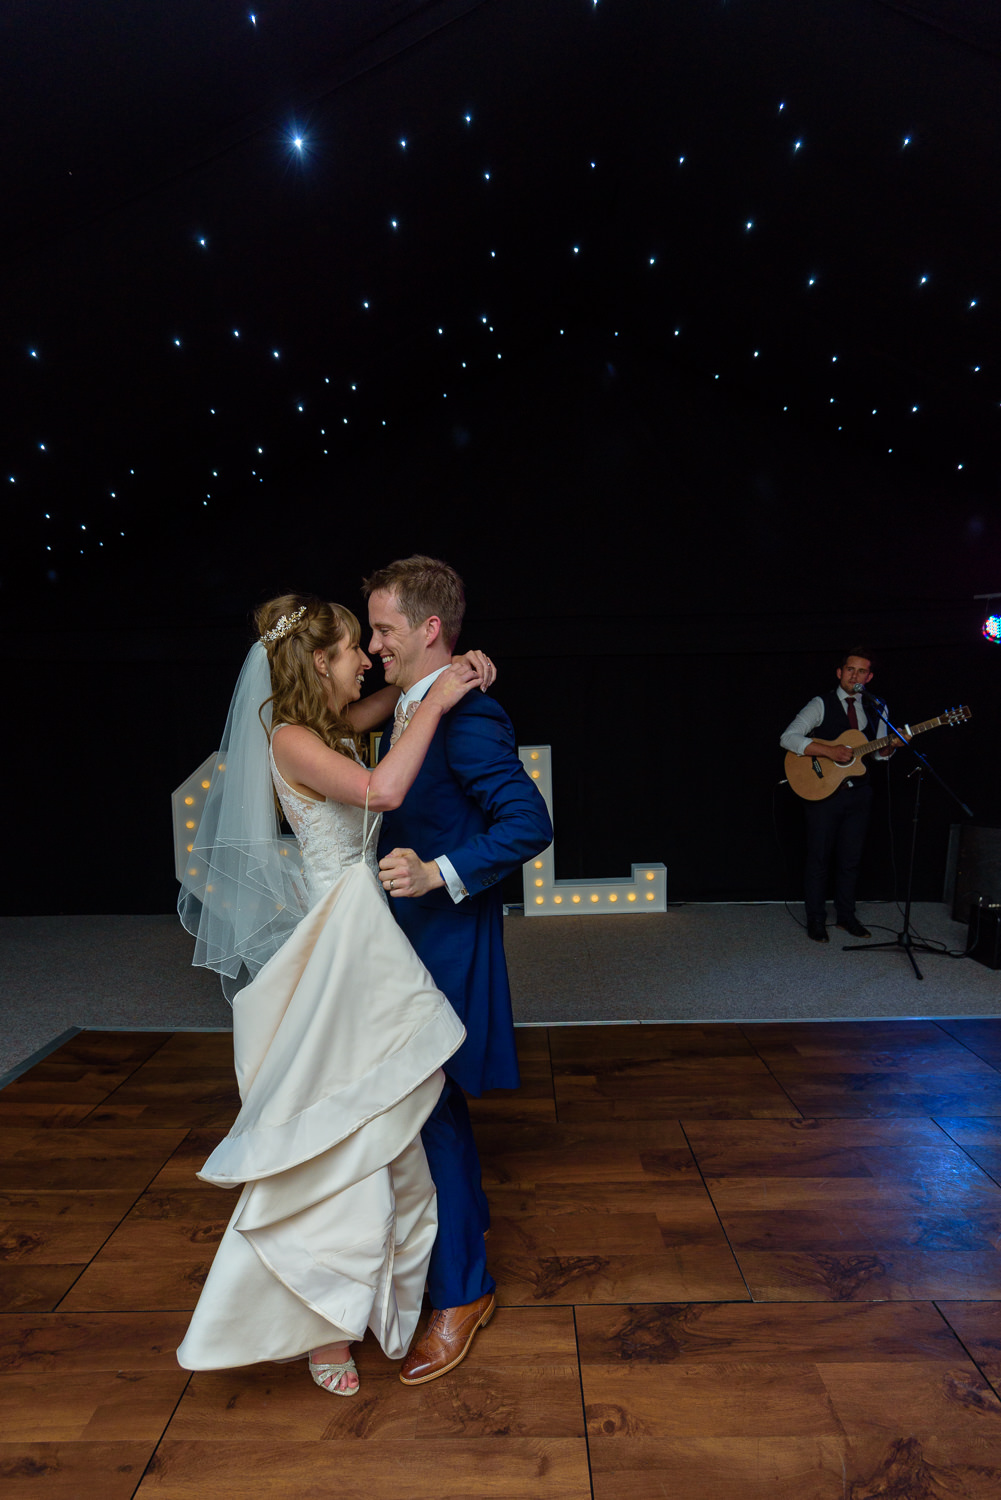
{"type": "Point", "coordinates": [891, 739]}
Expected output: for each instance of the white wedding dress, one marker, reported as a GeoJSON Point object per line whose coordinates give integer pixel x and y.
{"type": "Point", "coordinates": [338, 1044]}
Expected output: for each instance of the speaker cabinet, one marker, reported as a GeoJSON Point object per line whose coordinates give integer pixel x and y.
{"type": "Point", "coordinates": [978, 868]}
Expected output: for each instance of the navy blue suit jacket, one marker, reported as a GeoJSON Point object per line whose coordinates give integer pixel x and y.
{"type": "Point", "coordinates": [473, 802]}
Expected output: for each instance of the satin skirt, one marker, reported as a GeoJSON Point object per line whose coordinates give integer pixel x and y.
{"type": "Point", "coordinates": [338, 1043]}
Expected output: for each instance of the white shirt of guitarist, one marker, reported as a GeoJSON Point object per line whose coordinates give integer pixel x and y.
{"type": "Point", "coordinates": [453, 884]}
{"type": "Point", "coordinates": [801, 731]}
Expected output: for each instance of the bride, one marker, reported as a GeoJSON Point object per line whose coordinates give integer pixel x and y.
{"type": "Point", "coordinates": [340, 1034]}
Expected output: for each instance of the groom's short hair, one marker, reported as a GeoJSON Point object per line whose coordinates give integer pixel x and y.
{"type": "Point", "coordinates": [423, 586]}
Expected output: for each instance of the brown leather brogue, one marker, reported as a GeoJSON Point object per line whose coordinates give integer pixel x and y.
{"type": "Point", "coordinates": [447, 1340]}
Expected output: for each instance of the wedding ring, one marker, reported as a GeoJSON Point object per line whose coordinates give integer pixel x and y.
{"type": "Point", "coordinates": [391, 884]}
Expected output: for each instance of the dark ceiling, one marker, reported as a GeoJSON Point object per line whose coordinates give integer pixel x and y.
{"type": "Point", "coordinates": [213, 340]}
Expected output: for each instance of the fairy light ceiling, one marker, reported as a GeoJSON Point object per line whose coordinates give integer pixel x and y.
{"type": "Point", "coordinates": [247, 246]}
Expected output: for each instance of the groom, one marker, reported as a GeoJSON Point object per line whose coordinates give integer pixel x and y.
{"type": "Point", "coordinates": [471, 816]}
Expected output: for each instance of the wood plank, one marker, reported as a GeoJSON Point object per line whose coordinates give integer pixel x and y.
{"type": "Point", "coordinates": [584, 1153]}
{"type": "Point", "coordinates": [427, 1469]}
{"type": "Point", "coordinates": [632, 1045]}
{"type": "Point", "coordinates": [978, 1324]}
{"type": "Point", "coordinates": [72, 1471]}
{"type": "Point", "coordinates": [34, 1114]}
{"type": "Point", "coordinates": [95, 1406]}
{"type": "Point", "coordinates": [979, 1138]}
{"type": "Point", "coordinates": [799, 1467]}
{"type": "Point", "coordinates": [754, 1333]}
{"type": "Point", "coordinates": [102, 1341]}
{"type": "Point", "coordinates": [61, 1160]}
{"type": "Point", "coordinates": [122, 1286]}
{"type": "Point", "coordinates": [128, 1049]}
{"type": "Point", "coordinates": [194, 1097]}
{"type": "Point", "coordinates": [36, 1287]}
{"type": "Point", "coordinates": [682, 1272]}
{"type": "Point", "coordinates": [799, 1276]}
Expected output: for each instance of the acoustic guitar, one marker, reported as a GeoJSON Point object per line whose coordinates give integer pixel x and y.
{"type": "Point", "coordinates": [815, 776]}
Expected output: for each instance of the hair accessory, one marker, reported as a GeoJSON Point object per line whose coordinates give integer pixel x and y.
{"type": "Point", "coordinates": [285, 626]}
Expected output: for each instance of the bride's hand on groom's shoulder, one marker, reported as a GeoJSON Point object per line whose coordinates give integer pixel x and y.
{"type": "Point", "coordinates": [482, 666]}
{"type": "Point", "coordinates": [451, 685]}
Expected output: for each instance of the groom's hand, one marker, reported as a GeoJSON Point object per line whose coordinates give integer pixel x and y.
{"type": "Point", "coordinates": [404, 873]}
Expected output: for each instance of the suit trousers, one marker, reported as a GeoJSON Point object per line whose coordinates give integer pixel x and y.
{"type": "Point", "coordinates": [458, 1271]}
{"type": "Point", "coordinates": [836, 828]}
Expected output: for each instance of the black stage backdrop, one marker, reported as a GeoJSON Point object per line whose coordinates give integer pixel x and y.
{"type": "Point", "coordinates": [659, 602]}
{"type": "Point", "coordinates": [674, 327]}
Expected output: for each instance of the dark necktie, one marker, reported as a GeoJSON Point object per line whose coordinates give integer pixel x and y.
{"type": "Point", "coordinates": [852, 715]}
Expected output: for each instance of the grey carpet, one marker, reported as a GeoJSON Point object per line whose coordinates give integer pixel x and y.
{"type": "Point", "coordinates": [696, 962]}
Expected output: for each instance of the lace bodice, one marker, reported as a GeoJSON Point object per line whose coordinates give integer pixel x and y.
{"type": "Point", "coordinates": [331, 834]}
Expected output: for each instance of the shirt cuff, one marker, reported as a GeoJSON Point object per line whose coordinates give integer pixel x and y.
{"type": "Point", "coordinates": [453, 884]}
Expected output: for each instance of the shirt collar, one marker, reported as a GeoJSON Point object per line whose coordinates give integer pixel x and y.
{"type": "Point", "coordinates": [416, 693]}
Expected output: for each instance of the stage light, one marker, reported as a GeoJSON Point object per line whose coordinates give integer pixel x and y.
{"type": "Point", "coordinates": [992, 629]}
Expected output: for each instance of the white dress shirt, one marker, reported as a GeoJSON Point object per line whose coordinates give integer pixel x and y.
{"type": "Point", "coordinates": [802, 730]}
{"type": "Point", "coordinates": [453, 884]}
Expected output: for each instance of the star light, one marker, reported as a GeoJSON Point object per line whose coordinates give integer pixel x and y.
{"type": "Point", "coordinates": [797, 146]}
{"type": "Point", "coordinates": [403, 143]}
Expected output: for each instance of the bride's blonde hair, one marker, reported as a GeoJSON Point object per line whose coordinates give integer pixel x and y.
{"type": "Point", "coordinates": [307, 624]}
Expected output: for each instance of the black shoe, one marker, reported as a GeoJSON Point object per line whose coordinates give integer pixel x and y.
{"type": "Point", "coordinates": [854, 927]}
{"type": "Point", "coordinates": [816, 928]}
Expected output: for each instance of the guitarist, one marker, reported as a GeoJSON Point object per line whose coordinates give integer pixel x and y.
{"type": "Point", "coordinates": [836, 827]}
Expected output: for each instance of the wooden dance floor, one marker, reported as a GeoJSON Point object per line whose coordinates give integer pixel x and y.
{"type": "Point", "coordinates": [735, 1262]}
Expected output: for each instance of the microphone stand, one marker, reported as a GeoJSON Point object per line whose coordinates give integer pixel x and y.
{"type": "Point", "coordinates": [903, 940]}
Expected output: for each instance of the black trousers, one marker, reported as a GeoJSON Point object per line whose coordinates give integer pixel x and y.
{"type": "Point", "coordinates": [835, 830]}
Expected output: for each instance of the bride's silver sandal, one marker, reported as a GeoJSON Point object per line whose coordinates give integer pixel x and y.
{"type": "Point", "coordinates": [321, 1373]}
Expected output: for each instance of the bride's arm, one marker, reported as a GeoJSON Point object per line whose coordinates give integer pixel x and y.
{"type": "Point", "coordinates": [373, 710]}
{"type": "Point", "coordinates": [304, 760]}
